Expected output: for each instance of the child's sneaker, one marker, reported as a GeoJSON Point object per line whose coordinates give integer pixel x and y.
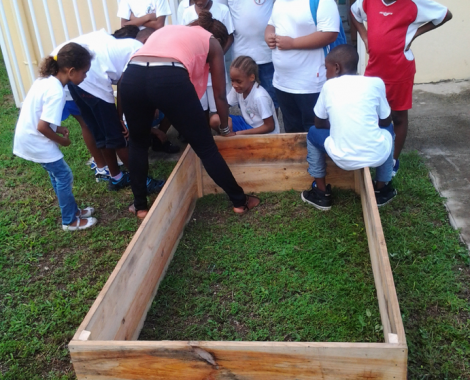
{"type": "Point", "coordinates": [119, 162]}
{"type": "Point", "coordinates": [396, 166]}
{"type": "Point", "coordinates": [154, 185]}
{"type": "Point", "coordinates": [114, 185]}
{"type": "Point", "coordinates": [317, 198]}
{"type": "Point", "coordinates": [385, 194]}
{"type": "Point", "coordinates": [91, 163]}
{"type": "Point", "coordinates": [102, 174]}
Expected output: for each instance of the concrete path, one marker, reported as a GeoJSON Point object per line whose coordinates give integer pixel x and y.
{"type": "Point", "coordinates": [440, 130]}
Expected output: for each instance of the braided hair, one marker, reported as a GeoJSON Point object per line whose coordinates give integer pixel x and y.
{"type": "Point", "coordinates": [247, 66]}
{"type": "Point", "coordinates": [218, 30]}
{"type": "Point", "coordinates": [71, 55]}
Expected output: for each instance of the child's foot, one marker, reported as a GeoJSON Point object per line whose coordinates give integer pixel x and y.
{"type": "Point", "coordinates": [85, 213]}
{"type": "Point", "coordinates": [154, 185]}
{"type": "Point", "coordinates": [91, 163]}
{"type": "Point", "coordinates": [385, 194]}
{"type": "Point", "coordinates": [317, 198]}
{"type": "Point", "coordinates": [167, 146]}
{"type": "Point", "coordinates": [102, 174]}
{"type": "Point", "coordinates": [114, 185]}
{"type": "Point", "coordinates": [80, 224]}
{"type": "Point", "coordinates": [251, 202]}
{"type": "Point", "coordinates": [141, 214]}
{"type": "Point", "coordinates": [396, 166]}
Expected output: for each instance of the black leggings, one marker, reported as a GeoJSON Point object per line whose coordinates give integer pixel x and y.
{"type": "Point", "coordinates": [145, 89]}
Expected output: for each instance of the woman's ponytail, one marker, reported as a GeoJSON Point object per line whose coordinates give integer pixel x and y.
{"type": "Point", "coordinates": [70, 55]}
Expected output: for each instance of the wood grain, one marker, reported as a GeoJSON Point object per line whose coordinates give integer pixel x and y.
{"type": "Point", "coordinates": [238, 360]}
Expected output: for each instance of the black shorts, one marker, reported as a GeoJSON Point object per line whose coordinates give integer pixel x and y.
{"type": "Point", "coordinates": [101, 118]}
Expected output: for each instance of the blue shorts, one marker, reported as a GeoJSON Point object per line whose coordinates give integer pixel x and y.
{"type": "Point", "coordinates": [239, 123]}
{"type": "Point", "coordinates": [70, 108]}
{"type": "Point", "coordinates": [156, 122]}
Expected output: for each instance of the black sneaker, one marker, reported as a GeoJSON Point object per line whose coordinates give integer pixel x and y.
{"type": "Point", "coordinates": [154, 185]}
{"type": "Point", "coordinates": [317, 198]}
{"type": "Point", "coordinates": [385, 194]}
{"type": "Point", "coordinates": [114, 185]}
{"type": "Point", "coordinates": [167, 146]}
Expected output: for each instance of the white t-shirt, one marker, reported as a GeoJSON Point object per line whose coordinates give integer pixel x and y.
{"type": "Point", "coordinates": [257, 106]}
{"type": "Point", "coordinates": [301, 71]}
{"type": "Point", "coordinates": [111, 56]}
{"type": "Point", "coordinates": [354, 104]}
{"type": "Point", "coordinates": [250, 19]}
{"type": "Point", "coordinates": [184, 4]}
{"type": "Point", "coordinates": [219, 12]}
{"type": "Point", "coordinates": [143, 7]}
{"type": "Point", "coordinates": [45, 101]}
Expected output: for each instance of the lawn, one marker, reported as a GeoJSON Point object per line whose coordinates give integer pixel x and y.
{"type": "Point", "coordinates": [49, 278]}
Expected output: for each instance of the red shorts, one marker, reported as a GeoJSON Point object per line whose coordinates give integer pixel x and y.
{"type": "Point", "coordinates": [400, 95]}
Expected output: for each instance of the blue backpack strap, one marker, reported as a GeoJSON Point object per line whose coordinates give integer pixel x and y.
{"type": "Point", "coordinates": [340, 40]}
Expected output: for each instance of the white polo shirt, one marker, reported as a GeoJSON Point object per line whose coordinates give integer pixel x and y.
{"type": "Point", "coordinates": [257, 106]}
{"type": "Point", "coordinates": [45, 101]}
{"type": "Point", "coordinates": [110, 58]}
{"type": "Point", "coordinates": [301, 71]}
{"type": "Point", "coordinates": [250, 19]}
{"type": "Point", "coordinates": [354, 104]}
{"type": "Point", "coordinates": [142, 7]}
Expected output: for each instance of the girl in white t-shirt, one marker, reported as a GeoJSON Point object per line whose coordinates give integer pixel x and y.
{"type": "Point", "coordinates": [38, 133]}
{"type": "Point", "coordinates": [258, 113]}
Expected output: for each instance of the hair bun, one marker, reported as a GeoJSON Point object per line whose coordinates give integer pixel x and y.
{"type": "Point", "coordinates": [205, 19]}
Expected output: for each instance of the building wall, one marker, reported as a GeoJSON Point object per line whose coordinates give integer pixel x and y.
{"type": "Point", "coordinates": [444, 53]}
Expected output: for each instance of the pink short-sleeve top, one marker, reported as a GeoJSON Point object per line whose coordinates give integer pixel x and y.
{"type": "Point", "coordinates": [186, 44]}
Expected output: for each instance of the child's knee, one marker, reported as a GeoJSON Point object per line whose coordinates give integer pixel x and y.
{"type": "Point", "coordinates": [214, 121]}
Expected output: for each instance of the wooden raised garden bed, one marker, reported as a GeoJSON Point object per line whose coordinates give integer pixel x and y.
{"type": "Point", "coordinates": [105, 345]}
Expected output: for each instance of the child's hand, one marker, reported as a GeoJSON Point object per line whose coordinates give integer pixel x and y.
{"type": "Point", "coordinates": [229, 134]}
{"type": "Point", "coordinates": [65, 141]}
{"type": "Point", "coordinates": [63, 131]}
{"type": "Point", "coordinates": [125, 131]}
{"type": "Point", "coordinates": [271, 41]}
{"type": "Point", "coordinates": [284, 43]}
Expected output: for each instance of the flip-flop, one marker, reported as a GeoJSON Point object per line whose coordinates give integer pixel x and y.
{"type": "Point", "coordinates": [136, 213]}
{"type": "Point", "coordinates": [246, 208]}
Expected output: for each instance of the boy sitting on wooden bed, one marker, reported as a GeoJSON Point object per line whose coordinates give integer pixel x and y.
{"type": "Point", "coordinates": [353, 125]}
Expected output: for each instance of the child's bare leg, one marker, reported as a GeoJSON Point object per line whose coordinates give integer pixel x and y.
{"type": "Point", "coordinates": [159, 134]}
{"type": "Point", "coordinates": [111, 160]}
{"type": "Point", "coordinates": [321, 183]}
{"type": "Point", "coordinates": [90, 142]}
{"type": "Point", "coordinates": [400, 126]}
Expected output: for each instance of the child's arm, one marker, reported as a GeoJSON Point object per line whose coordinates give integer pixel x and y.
{"type": "Point", "coordinates": [155, 22]}
{"type": "Point", "coordinates": [322, 123]}
{"type": "Point", "coordinates": [385, 122]}
{"type": "Point", "coordinates": [358, 16]}
{"type": "Point", "coordinates": [267, 127]}
{"type": "Point", "coordinates": [428, 27]}
{"type": "Point", "coordinates": [229, 43]}
{"type": "Point", "coordinates": [45, 128]}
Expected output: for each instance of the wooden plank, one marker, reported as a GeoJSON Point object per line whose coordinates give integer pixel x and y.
{"type": "Point", "coordinates": [120, 309]}
{"type": "Point", "coordinates": [279, 176]}
{"type": "Point", "coordinates": [238, 360]}
{"type": "Point", "coordinates": [286, 147]}
{"type": "Point", "coordinates": [383, 276]}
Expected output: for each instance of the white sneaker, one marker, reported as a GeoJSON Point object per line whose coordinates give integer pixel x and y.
{"type": "Point", "coordinates": [119, 162]}
{"type": "Point", "coordinates": [102, 174]}
{"type": "Point", "coordinates": [90, 222]}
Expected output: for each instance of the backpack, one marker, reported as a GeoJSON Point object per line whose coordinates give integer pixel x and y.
{"type": "Point", "coordinates": [340, 40]}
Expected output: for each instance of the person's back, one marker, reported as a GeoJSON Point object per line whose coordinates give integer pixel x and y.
{"type": "Point", "coordinates": [353, 104]}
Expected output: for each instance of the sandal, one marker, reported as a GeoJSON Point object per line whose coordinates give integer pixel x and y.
{"type": "Point", "coordinates": [248, 205]}
{"type": "Point", "coordinates": [75, 226]}
{"type": "Point", "coordinates": [136, 212]}
{"type": "Point", "coordinates": [85, 213]}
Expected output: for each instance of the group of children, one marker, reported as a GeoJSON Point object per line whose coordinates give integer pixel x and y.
{"type": "Point", "coordinates": [280, 60]}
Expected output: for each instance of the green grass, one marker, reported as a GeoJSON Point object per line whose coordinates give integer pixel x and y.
{"type": "Point", "coordinates": [284, 272]}
{"type": "Point", "coordinates": [49, 279]}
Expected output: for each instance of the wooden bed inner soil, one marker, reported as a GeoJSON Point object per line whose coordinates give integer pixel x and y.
{"type": "Point", "coordinates": [105, 345]}
{"type": "Point", "coordinates": [284, 272]}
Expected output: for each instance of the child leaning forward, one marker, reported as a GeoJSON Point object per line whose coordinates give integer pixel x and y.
{"type": "Point", "coordinates": [256, 105]}
{"type": "Point", "coordinates": [353, 125]}
{"type": "Point", "coordinates": [37, 134]}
